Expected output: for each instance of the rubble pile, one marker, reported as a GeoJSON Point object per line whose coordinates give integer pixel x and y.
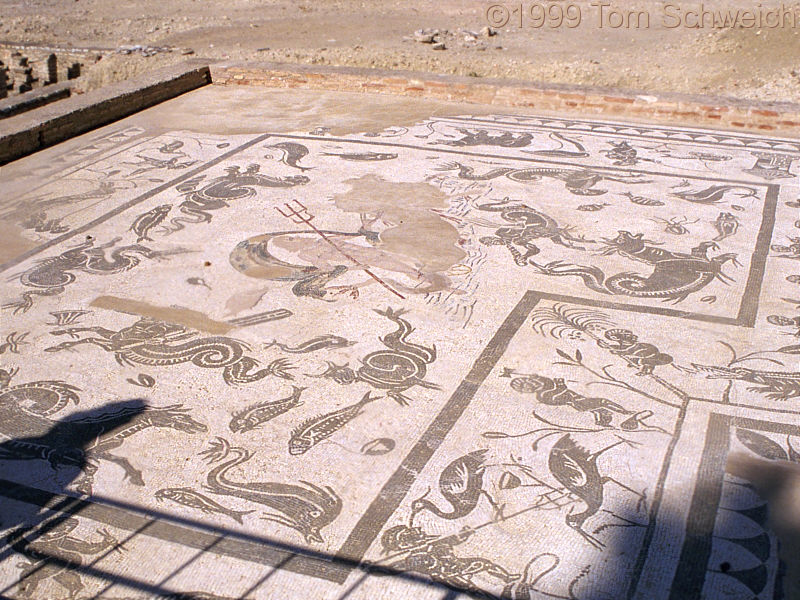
{"type": "Point", "coordinates": [441, 39]}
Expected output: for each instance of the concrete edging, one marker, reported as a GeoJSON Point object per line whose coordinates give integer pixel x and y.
{"type": "Point", "coordinates": [42, 127]}
{"type": "Point", "coordinates": [16, 105]}
{"type": "Point", "coordinates": [728, 112]}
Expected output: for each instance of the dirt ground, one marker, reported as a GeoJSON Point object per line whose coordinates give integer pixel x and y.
{"type": "Point", "coordinates": [746, 61]}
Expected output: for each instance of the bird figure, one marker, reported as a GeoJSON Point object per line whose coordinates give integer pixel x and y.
{"type": "Point", "coordinates": [576, 469]}
{"type": "Point", "coordinates": [461, 485]}
{"type": "Point", "coordinates": [525, 588]}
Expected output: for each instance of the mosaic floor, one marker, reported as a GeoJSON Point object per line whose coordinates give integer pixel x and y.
{"type": "Point", "coordinates": [505, 353]}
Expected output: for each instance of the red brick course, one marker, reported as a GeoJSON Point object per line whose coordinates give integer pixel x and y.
{"type": "Point", "coordinates": [682, 108]}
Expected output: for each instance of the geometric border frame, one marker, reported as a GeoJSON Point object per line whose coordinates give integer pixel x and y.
{"type": "Point", "coordinates": [338, 568]}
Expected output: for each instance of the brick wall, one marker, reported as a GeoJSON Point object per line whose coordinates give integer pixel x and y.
{"type": "Point", "coordinates": [731, 113]}
{"type": "Point", "coordinates": [24, 68]}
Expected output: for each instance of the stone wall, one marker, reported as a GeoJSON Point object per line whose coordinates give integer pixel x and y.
{"type": "Point", "coordinates": [48, 125]}
{"type": "Point", "coordinates": [24, 68]}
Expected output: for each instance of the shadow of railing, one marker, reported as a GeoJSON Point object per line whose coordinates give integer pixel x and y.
{"type": "Point", "coordinates": [68, 506]}
{"type": "Point", "coordinates": [52, 510]}
{"type": "Point", "coordinates": [37, 507]}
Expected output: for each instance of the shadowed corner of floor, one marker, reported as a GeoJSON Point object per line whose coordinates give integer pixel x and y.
{"type": "Point", "coordinates": [46, 482]}
{"type": "Point", "coordinates": [778, 483]}
{"type": "Point", "coordinates": [54, 456]}
{"type": "Point", "coordinates": [749, 549]}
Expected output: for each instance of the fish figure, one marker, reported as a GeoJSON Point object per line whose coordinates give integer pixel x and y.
{"type": "Point", "coordinates": [706, 156]}
{"type": "Point", "coordinates": [592, 207]}
{"type": "Point", "coordinates": [188, 497]}
{"type": "Point", "coordinates": [146, 221]}
{"type": "Point", "coordinates": [198, 281]}
{"type": "Point", "coordinates": [171, 148]}
{"type": "Point", "coordinates": [363, 156]}
{"type": "Point", "coordinates": [307, 508]}
{"type": "Point", "coordinates": [143, 380]}
{"type": "Point", "coordinates": [320, 342]}
{"type": "Point", "coordinates": [257, 414]}
{"type": "Point", "coordinates": [643, 201]}
{"type": "Point", "coordinates": [714, 194]}
{"type": "Point", "coordinates": [293, 153]}
{"type": "Point", "coordinates": [726, 225]}
{"type": "Point", "coordinates": [312, 431]}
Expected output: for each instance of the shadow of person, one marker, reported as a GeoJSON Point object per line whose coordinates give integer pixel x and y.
{"type": "Point", "coordinates": [37, 508]}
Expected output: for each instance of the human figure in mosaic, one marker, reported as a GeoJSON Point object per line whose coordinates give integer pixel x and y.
{"type": "Point", "coordinates": [434, 556]}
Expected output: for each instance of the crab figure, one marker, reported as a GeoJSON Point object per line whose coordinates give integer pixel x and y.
{"type": "Point", "coordinates": [675, 225]}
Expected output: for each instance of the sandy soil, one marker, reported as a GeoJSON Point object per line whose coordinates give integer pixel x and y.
{"type": "Point", "coordinates": [746, 62]}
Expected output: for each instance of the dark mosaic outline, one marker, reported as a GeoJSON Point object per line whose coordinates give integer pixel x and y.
{"type": "Point", "coordinates": [371, 522]}
{"type": "Point", "coordinates": [748, 308]}
{"type": "Point", "coordinates": [130, 203]}
{"type": "Point", "coordinates": [98, 148]}
{"type": "Point", "coordinates": [525, 159]}
{"type": "Point", "coordinates": [393, 492]}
